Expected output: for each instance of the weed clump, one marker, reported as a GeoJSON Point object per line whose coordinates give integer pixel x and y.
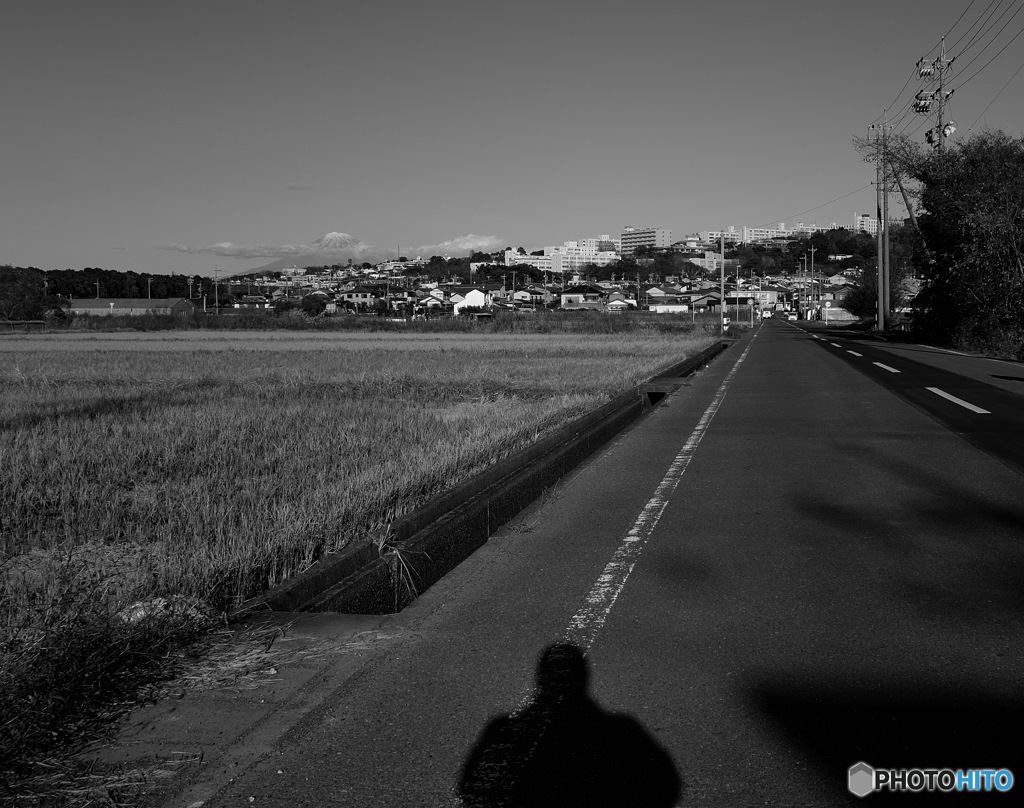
{"type": "Point", "coordinates": [72, 656]}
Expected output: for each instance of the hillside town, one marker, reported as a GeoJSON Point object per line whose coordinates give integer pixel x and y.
{"type": "Point", "coordinates": [643, 269]}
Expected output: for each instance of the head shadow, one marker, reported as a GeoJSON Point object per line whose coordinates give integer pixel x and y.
{"type": "Point", "coordinates": [563, 749]}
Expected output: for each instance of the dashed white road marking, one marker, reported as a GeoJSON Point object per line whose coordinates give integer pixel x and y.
{"type": "Point", "coordinates": [885, 367]}
{"type": "Point", "coordinates": [835, 344]}
{"type": "Point", "coordinates": [965, 404]}
{"type": "Point", "coordinates": [854, 352]}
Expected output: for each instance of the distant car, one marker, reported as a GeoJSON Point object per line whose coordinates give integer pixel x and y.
{"type": "Point", "coordinates": [766, 314]}
{"type": "Point", "coordinates": [791, 316]}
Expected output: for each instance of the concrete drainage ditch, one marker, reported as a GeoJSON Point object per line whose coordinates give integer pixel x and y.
{"type": "Point", "coordinates": [382, 577]}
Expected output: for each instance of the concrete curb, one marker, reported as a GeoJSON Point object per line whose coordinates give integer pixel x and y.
{"type": "Point", "coordinates": [421, 547]}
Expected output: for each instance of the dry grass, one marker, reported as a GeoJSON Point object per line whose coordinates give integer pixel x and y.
{"type": "Point", "coordinates": [229, 470]}
{"type": "Point", "coordinates": [214, 465]}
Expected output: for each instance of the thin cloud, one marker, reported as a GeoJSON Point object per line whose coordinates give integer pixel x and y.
{"type": "Point", "coordinates": [227, 249]}
{"type": "Point", "coordinates": [297, 187]}
{"type": "Point", "coordinates": [297, 252]}
{"type": "Point", "coordinates": [463, 244]}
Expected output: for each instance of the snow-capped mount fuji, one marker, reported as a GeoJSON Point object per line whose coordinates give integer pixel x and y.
{"type": "Point", "coordinates": [335, 241]}
{"type": "Point", "coordinates": [328, 249]}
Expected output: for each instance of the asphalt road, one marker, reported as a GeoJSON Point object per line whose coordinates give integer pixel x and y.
{"type": "Point", "coordinates": [979, 398]}
{"type": "Point", "coordinates": [788, 567]}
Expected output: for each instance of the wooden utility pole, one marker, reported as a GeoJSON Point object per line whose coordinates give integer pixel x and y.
{"type": "Point", "coordinates": [880, 321]}
{"type": "Point", "coordinates": [812, 250]}
{"type": "Point", "coordinates": [886, 286]}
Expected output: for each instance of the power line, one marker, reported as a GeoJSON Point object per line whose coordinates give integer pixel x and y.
{"type": "Point", "coordinates": [983, 34]}
{"type": "Point", "coordinates": [990, 103]}
{"type": "Point", "coordinates": [910, 78]}
{"type": "Point", "coordinates": [954, 25]}
{"type": "Point", "coordinates": [983, 20]}
{"type": "Point", "coordinates": [925, 102]}
{"type": "Point", "coordinates": [1021, 31]}
{"type": "Point", "coordinates": [935, 70]}
{"type": "Point", "coordinates": [819, 207]}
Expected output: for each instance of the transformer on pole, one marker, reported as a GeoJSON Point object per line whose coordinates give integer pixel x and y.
{"type": "Point", "coordinates": [925, 102]}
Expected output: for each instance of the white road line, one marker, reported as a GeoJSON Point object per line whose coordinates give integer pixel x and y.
{"type": "Point", "coordinates": [835, 344]}
{"type": "Point", "coordinates": [960, 401]}
{"type": "Point", "coordinates": [885, 367]}
{"type": "Point", "coordinates": [854, 352]}
{"type": "Point", "coordinates": [590, 618]}
{"type": "Point", "coordinates": [585, 625]}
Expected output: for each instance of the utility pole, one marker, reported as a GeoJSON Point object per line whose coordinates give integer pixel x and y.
{"type": "Point", "coordinates": [802, 296]}
{"type": "Point", "coordinates": [880, 315]}
{"type": "Point", "coordinates": [812, 250]}
{"type": "Point", "coordinates": [925, 102]}
{"type": "Point", "coordinates": [886, 285]}
{"type": "Point", "coordinates": [216, 289]}
{"type": "Point", "coordinates": [722, 314]}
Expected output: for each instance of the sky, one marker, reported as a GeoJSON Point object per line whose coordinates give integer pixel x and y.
{"type": "Point", "coordinates": [218, 136]}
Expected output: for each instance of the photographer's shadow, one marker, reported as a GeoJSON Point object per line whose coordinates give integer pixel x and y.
{"type": "Point", "coordinates": [564, 750]}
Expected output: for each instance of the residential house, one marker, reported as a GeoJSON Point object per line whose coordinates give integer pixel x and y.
{"type": "Point", "coordinates": [583, 296]}
{"type": "Point", "coordinates": [252, 302]}
{"type": "Point", "coordinates": [706, 301]}
{"type": "Point", "coordinates": [359, 297]}
{"type": "Point", "coordinates": [463, 297]}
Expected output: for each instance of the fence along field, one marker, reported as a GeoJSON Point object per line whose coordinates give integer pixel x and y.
{"type": "Point", "coordinates": [214, 465]}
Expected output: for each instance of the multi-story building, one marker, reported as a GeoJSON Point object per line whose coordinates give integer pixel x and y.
{"type": "Point", "coordinates": [634, 237]}
{"type": "Point", "coordinates": [603, 243]}
{"type": "Point", "coordinates": [754, 235]}
{"type": "Point", "coordinates": [731, 236]}
{"type": "Point", "coordinates": [869, 224]}
{"type": "Point", "coordinates": [862, 222]}
{"type": "Point", "coordinates": [571, 256]}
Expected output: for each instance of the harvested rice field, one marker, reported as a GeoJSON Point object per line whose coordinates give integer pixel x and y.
{"type": "Point", "coordinates": [214, 464]}
{"type": "Point", "coordinates": [198, 468]}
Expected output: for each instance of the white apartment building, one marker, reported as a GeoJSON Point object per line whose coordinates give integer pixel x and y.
{"type": "Point", "coordinates": [752, 235]}
{"type": "Point", "coordinates": [633, 237]}
{"type": "Point", "coordinates": [603, 243]}
{"type": "Point", "coordinates": [865, 222]}
{"type": "Point", "coordinates": [731, 236]}
{"type": "Point", "coordinates": [869, 223]}
{"type": "Point", "coordinates": [571, 256]}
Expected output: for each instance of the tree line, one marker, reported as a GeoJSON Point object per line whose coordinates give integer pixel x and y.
{"type": "Point", "coordinates": [966, 204]}
{"type": "Point", "coordinates": [29, 293]}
